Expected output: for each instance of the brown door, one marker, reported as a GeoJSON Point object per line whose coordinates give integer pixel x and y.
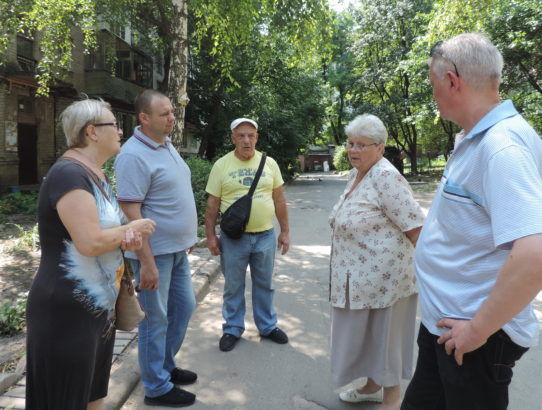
{"type": "Point", "coordinates": [27, 148]}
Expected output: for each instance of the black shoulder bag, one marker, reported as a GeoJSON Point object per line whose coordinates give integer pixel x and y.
{"type": "Point", "coordinates": [235, 219]}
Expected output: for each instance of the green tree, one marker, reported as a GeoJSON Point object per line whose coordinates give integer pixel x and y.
{"type": "Point", "coordinates": [389, 84]}
{"type": "Point", "coordinates": [516, 28]}
{"type": "Point", "coordinates": [266, 79]}
{"type": "Point", "coordinates": [338, 73]}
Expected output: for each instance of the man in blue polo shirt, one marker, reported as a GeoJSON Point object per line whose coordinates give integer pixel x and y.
{"type": "Point", "coordinates": [479, 255]}
{"type": "Point", "coordinates": [153, 180]}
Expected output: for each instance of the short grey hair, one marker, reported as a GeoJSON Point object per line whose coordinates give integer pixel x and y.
{"type": "Point", "coordinates": [77, 116]}
{"type": "Point", "coordinates": [367, 125]}
{"type": "Point", "coordinates": [476, 59]}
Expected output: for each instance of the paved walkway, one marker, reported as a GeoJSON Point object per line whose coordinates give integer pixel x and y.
{"type": "Point", "coordinates": [125, 369]}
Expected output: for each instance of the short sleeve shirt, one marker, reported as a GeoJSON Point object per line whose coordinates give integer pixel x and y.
{"type": "Point", "coordinates": [231, 178]}
{"type": "Point", "coordinates": [92, 281]}
{"type": "Point", "coordinates": [490, 195]}
{"type": "Point", "coordinates": [371, 259]}
{"type": "Point", "coordinates": [156, 176]}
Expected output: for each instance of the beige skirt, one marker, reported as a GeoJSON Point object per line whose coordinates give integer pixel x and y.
{"type": "Point", "coordinates": [375, 343]}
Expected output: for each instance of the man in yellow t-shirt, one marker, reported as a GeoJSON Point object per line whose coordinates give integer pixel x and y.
{"type": "Point", "coordinates": [230, 179]}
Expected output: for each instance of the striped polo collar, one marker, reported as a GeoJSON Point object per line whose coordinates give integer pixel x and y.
{"type": "Point", "coordinates": [504, 110]}
{"type": "Point", "coordinates": [138, 134]}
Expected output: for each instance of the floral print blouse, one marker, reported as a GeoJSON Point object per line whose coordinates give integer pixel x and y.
{"type": "Point", "coordinates": [371, 257]}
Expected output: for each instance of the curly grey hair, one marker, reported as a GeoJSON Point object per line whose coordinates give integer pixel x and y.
{"type": "Point", "coordinates": [367, 125]}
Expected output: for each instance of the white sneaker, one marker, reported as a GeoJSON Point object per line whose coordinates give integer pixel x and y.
{"type": "Point", "coordinates": [353, 396]}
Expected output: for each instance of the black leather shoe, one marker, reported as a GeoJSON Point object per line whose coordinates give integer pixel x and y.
{"type": "Point", "coordinates": [277, 336]}
{"type": "Point", "coordinates": [174, 398]}
{"type": "Point", "coordinates": [227, 342]}
{"type": "Point", "coordinates": [183, 376]}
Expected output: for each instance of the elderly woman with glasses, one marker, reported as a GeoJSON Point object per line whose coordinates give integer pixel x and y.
{"type": "Point", "coordinates": [70, 309]}
{"type": "Point", "coordinates": [375, 223]}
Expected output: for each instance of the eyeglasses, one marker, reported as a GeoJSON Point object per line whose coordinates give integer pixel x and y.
{"type": "Point", "coordinates": [358, 147]}
{"type": "Point", "coordinates": [113, 124]}
{"type": "Point", "coordinates": [436, 50]}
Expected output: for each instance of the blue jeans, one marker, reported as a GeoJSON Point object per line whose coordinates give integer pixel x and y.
{"type": "Point", "coordinates": [256, 250]}
{"type": "Point", "coordinates": [168, 310]}
{"type": "Point", "coordinates": [481, 383]}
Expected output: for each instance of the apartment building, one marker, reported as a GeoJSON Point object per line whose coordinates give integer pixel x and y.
{"type": "Point", "coordinates": [30, 136]}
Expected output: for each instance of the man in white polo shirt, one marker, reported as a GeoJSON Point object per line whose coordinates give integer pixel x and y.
{"type": "Point", "coordinates": [479, 256]}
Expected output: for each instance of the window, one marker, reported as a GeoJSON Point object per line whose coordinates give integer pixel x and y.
{"type": "Point", "coordinates": [123, 66]}
{"type": "Point", "coordinates": [25, 54]}
{"type": "Point", "coordinates": [119, 30]}
{"type": "Point", "coordinates": [159, 64]}
{"type": "Point", "coordinates": [25, 47]}
{"type": "Point", "coordinates": [143, 70]}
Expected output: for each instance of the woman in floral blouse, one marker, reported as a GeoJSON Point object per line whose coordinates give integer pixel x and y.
{"type": "Point", "coordinates": [372, 286]}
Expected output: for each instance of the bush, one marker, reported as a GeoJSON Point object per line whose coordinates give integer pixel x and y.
{"type": "Point", "coordinates": [340, 160]}
{"type": "Point", "coordinates": [109, 172]}
{"type": "Point", "coordinates": [12, 315]}
{"type": "Point", "coordinates": [19, 203]}
{"type": "Point", "coordinates": [200, 169]}
{"type": "Point", "coordinates": [26, 239]}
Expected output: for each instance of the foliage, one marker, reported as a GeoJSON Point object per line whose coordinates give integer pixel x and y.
{"type": "Point", "coordinates": [200, 170]}
{"type": "Point", "coordinates": [389, 85]}
{"type": "Point", "coordinates": [19, 203]}
{"type": "Point", "coordinates": [339, 76]}
{"type": "Point", "coordinates": [26, 238]}
{"type": "Point", "coordinates": [340, 160]}
{"type": "Point", "coordinates": [109, 172]}
{"type": "Point", "coordinates": [12, 315]}
{"type": "Point", "coordinates": [283, 95]}
{"type": "Point", "coordinates": [216, 28]}
{"type": "Point", "coordinates": [516, 28]}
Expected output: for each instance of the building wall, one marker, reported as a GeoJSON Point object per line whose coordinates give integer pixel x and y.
{"type": "Point", "coordinates": [45, 110]}
{"type": "Point", "coordinates": [8, 159]}
{"type": "Point", "coordinates": [78, 62]}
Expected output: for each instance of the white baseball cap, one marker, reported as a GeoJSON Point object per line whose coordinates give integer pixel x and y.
{"type": "Point", "coordinates": [239, 121]}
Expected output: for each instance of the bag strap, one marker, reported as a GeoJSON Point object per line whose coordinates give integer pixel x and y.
{"type": "Point", "coordinates": [90, 173]}
{"type": "Point", "coordinates": [127, 267]}
{"type": "Point", "coordinates": [257, 176]}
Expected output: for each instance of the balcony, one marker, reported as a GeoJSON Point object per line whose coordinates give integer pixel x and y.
{"type": "Point", "coordinates": [102, 83]}
{"type": "Point", "coordinates": [26, 64]}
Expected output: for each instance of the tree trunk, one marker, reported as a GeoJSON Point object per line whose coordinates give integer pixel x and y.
{"type": "Point", "coordinates": [178, 69]}
{"type": "Point", "coordinates": [216, 107]}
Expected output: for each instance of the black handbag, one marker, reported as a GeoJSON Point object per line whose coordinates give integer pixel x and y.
{"type": "Point", "coordinates": [235, 219]}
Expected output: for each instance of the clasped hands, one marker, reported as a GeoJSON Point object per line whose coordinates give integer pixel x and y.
{"type": "Point", "coordinates": [137, 230]}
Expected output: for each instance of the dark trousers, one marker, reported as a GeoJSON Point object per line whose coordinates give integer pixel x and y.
{"type": "Point", "coordinates": [481, 383]}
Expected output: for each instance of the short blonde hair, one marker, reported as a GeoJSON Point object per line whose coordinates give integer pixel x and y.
{"type": "Point", "coordinates": [367, 125]}
{"type": "Point", "coordinates": [77, 116]}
